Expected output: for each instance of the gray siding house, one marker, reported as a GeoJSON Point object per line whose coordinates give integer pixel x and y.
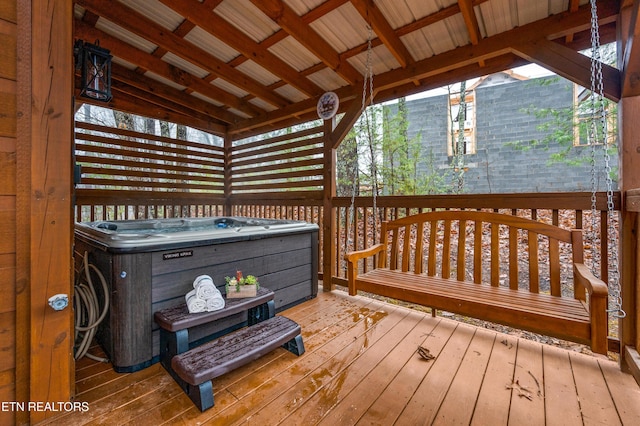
{"type": "Point", "coordinates": [497, 118]}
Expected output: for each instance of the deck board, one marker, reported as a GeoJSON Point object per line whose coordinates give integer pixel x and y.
{"type": "Point", "coordinates": [361, 367]}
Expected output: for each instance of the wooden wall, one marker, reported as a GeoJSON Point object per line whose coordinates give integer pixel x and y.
{"type": "Point", "coordinates": [8, 98]}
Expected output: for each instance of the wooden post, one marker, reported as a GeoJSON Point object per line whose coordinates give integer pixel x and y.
{"type": "Point", "coordinates": [329, 214]}
{"type": "Point", "coordinates": [227, 174]}
{"type": "Point", "coordinates": [45, 369]}
{"type": "Point", "coordinates": [628, 112]}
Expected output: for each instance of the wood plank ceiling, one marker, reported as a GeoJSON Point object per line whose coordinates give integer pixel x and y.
{"type": "Point", "coordinates": [249, 66]}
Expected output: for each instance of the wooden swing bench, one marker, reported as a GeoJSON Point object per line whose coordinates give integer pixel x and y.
{"type": "Point", "coordinates": [399, 273]}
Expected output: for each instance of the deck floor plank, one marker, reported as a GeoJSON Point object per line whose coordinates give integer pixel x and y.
{"type": "Point", "coordinates": [335, 390]}
{"type": "Point", "coordinates": [624, 391]}
{"type": "Point", "coordinates": [596, 404]}
{"type": "Point", "coordinates": [424, 405]}
{"type": "Point", "coordinates": [361, 367]}
{"type": "Point", "coordinates": [311, 372]}
{"type": "Point", "coordinates": [494, 399]}
{"type": "Point", "coordinates": [353, 406]}
{"type": "Point", "coordinates": [527, 398]}
{"type": "Point", "coordinates": [389, 405]}
{"type": "Point", "coordinates": [562, 407]}
{"type": "Point", "coordinates": [458, 404]}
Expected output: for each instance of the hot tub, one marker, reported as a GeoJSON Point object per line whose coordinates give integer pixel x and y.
{"type": "Point", "coordinates": [151, 264]}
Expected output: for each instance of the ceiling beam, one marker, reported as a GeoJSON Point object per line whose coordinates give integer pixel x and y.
{"type": "Point", "coordinates": [146, 99]}
{"type": "Point", "coordinates": [133, 79]}
{"type": "Point", "coordinates": [293, 24]}
{"type": "Point", "coordinates": [470, 20]}
{"type": "Point", "coordinates": [204, 17]}
{"type": "Point", "coordinates": [149, 62]}
{"type": "Point", "coordinates": [569, 64]}
{"type": "Point", "coordinates": [491, 47]}
{"type": "Point", "coordinates": [126, 103]}
{"type": "Point", "coordinates": [142, 26]}
{"type": "Point", "coordinates": [376, 20]}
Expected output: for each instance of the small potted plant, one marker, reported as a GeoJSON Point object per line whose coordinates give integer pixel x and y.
{"type": "Point", "coordinates": [240, 286]}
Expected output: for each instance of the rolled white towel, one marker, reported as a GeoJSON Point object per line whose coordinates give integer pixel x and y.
{"type": "Point", "coordinates": [204, 287]}
{"type": "Point", "coordinates": [194, 303]}
{"type": "Point", "coordinates": [216, 302]}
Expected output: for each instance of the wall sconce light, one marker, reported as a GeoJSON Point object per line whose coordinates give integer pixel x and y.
{"type": "Point", "coordinates": [94, 63]}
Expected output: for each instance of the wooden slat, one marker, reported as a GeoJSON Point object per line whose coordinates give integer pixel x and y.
{"type": "Point", "coordinates": [495, 255]}
{"type": "Point", "coordinates": [419, 247]}
{"type": "Point", "coordinates": [431, 267]}
{"type": "Point", "coordinates": [406, 248]}
{"type": "Point", "coordinates": [477, 252]}
{"type": "Point", "coordinates": [394, 249]}
{"type": "Point", "coordinates": [446, 250]}
{"type": "Point", "coordinates": [554, 267]}
{"type": "Point", "coordinates": [462, 245]}
{"type": "Point", "coordinates": [513, 258]}
{"type": "Point", "coordinates": [534, 273]}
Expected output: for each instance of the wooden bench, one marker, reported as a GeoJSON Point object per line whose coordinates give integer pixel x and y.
{"type": "Point", "coordinates": [176, 321]}
{"type": "Point", "coordinates": [198, 366]}
{"type": "Point", "coordinates": [408, 243]}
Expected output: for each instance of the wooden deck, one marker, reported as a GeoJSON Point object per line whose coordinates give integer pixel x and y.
{"type": "Point", "coordinates": [361, 367]}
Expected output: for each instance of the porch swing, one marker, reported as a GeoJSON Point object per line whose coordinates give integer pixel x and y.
{"type": "Point", "coordinates": [407, 269]}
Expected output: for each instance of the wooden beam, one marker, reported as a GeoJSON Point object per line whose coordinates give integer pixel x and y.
{"type": "Point", "coordinates": [376, 20]}
{"type": "Point", "coordinates": [123, 79]}
{"type": "Point", "coordinates": [553, 27]}
{"type": "Point", "coordinates": [490, 66]}
{"type": "Point", "coordinates": [569, 64]}
{"type": "Point", "coordinates": [573, 7]}
{"type": "Point", "coordinates": [152, 100]}
{"type": "Point", "coordinates": [293, 24]}
{"type": "Point", "coordinates": [470, 20]}
{"type": "Point", "coordinates": [348, 120]}
{"type": "Point", "coordinates": [205, 18]}
{"type": "Point", "coordinates": [156, 65]}
{"type": "Point", "coordinates": [126, 103]}
{"type": "Point", "coordinates": [139, 24]}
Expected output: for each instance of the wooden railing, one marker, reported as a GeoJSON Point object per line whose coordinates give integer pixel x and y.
{"type": "Point", "coordinates": [569, 210]}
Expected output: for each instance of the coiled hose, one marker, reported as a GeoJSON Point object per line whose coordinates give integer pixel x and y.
{"type": "Point", "coordinates": [87, 306]}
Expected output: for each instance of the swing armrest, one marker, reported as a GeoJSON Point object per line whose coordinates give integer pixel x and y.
{"type": "Point", "coordinates": [594, 286]}
{"type": "Point", "coordinates": [352, 259]}
{"type": "Point", "coordinates": [354, 256]}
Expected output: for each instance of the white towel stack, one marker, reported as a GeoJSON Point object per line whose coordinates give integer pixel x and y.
{"type": "Point", "coordinates": [204, 297]}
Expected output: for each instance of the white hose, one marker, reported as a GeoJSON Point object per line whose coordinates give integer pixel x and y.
{"type": "Point", "coordinates": [86, 306]}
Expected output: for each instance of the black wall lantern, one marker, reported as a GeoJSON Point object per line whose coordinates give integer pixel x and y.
{"type": "Point", "coordinates": [94, 63]}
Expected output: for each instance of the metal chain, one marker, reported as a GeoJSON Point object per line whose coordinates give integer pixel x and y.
{"type": "Point", "coordinates": [368, 79]}
{"type": "Point", "coordinates": [593, 139]}
{"type": "Point", "coordinates": [600, 118]}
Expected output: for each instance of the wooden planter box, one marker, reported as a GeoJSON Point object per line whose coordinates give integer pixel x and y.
{"type": "Point", "coordinates": [245, 291]}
